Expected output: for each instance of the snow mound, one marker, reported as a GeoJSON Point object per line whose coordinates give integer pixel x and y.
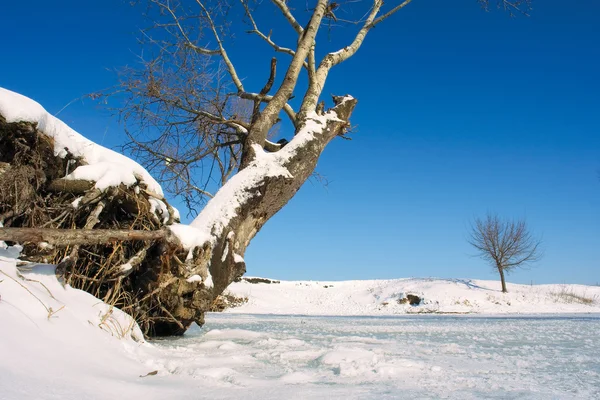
{"type": "Point", "coordinates": [389, 297]}
{"type": "Point", "coordinates": [49, 331]}
{"type": "Point", "coordinates": [104, 166]}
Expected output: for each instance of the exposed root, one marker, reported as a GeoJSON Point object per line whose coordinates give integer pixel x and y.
{"type": "Point", "coordinates": [144, 278]}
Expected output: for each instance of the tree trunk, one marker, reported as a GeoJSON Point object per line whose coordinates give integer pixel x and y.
{"type": "Point", "coordinates": [265, 196]}
{"type": "Point", "coordinates": [501, 271]}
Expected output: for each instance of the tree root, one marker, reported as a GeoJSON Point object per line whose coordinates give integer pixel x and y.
{"type": "Point", "coordinates": [112, 243]}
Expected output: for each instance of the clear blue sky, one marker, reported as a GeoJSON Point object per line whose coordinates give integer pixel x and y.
{"type": "Point", "coordinates": [460, 112]}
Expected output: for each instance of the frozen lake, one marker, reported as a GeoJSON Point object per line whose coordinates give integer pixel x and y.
{"type": "Point", "coordinates": [412, 357]}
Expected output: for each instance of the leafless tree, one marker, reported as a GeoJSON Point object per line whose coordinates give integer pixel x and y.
{"type": "Point", "coordinates": [209, 132]}
{"type": "Point", "coordinates": [504, 244]}
{"type": "Point", "coordinates": [190, 117]}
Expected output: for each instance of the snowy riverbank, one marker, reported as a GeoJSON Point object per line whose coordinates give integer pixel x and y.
{"type": "Point", "coordinates": [58, 342]}
{"type": "Point", "coordinates": [385, 297]}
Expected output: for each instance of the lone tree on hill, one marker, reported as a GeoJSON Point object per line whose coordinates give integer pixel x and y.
{"type": "Point", "coordinates": [505, 244]}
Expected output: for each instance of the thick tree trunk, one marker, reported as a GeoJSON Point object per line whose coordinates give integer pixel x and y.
{"type": "Point", "coordinates": [267, 195]}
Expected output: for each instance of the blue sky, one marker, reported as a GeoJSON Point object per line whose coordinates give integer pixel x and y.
{"type": "Point", "coordinates": [460, 112]}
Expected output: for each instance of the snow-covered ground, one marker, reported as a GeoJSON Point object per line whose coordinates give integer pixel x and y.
{"type": "Point", "coordinates": [384, 297]}
{"type": "Point", "coordinates": [60, 343]}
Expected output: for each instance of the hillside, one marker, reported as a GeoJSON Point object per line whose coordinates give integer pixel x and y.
{"type": "Point", "coordinates": [390, 297]}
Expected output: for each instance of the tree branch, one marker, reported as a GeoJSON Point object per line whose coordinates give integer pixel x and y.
{"type": "Point", "coordinates": [313, 93]}
{"type": "Point", "coordinates": [232, 72]}
{"type": "Point", "coordinates": [389, 13]}
{"type": "Point", "coordinates": [63, 237]}
{"type": "Point", "coordinates": [288, 15]}
{"type": "Point", "coordinates": [268, 117]}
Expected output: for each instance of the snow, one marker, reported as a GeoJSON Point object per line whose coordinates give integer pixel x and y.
{"type": "Point", "coordinates": [57, 342]}
{"type": "Point", "coordinates": [104, 166]}
{"type": "Point", "coordinates": [75, 203]}
{"type": "Point", "coordinates": [50, 334]}
{"type": "Point", "coordinates": [160, 208]}
{"type": "Point", "coordinates": [190, 236]}
{"type": "Point", "coordinates": [217, 213]}
{"type": "Point", "coordinates": [77, 352]}
{"type": "Point", "coordinates": [194, 278]}
{"type": "Point", "coordinates": [126, 267]}
{"type": "Point", "coordinates": [380, 297]}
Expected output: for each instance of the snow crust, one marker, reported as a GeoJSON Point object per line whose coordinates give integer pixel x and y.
{"type": "Point", "coordinates": [380, 297]}
{"type": "Point", "coordinates": [106, 167]}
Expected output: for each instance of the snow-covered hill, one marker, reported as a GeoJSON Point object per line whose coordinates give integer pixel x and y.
{"type": "Point", "coordinates": [389, 297]}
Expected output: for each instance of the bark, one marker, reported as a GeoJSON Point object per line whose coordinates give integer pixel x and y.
{"type": "Point", "coordinates": [266, 120]}
{"type": "Point", "coordinates": [268, 197]}
{"type": "Point", "coordinates": [66, 237]}
{"type": "Point", "coordinates": [76, 186]}
{"type": "Point", "coordinates": [501, 271]}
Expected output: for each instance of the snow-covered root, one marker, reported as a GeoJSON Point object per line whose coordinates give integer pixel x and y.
{"type": "Point", "coordinates": [146, 275]}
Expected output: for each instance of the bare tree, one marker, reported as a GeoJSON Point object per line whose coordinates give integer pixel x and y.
{"type": "Point", "coordinates": [210, 134]}
{"type": "Point", "coordinates": [505, 244]}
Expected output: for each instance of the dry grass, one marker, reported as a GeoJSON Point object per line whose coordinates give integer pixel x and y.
{"type": "Point", "coordinates": [112, 325]}
{"type": "Point", "coordinates": [48, 309]}
{"type": "Point", "coordinates": [227, 300]}
{"type": "Point", "coordinates": [568, 295]}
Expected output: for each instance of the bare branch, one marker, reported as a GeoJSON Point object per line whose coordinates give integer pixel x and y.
{"type": "Point", "coordinates": [230, 67]}
{"type": "Point", "coordinates": [63, 237]}
{"type": "Point", "coordinates": [265, 99]}
{"type": "Point", "coordinates": [268, 117]}
{"type": "Point", "coordinates": [517, 6]}
{"type": "Point", "coordinates": [389, 13]}
{"type": "Point", "coordinates": [167, 8]}
{"type": "Point", "coordinates": [330, 60]}
{"type": "Point", "coordinates": [264, 91]}
{"type": "Point", "coordinates": [288, 15]}
{"type": "Point", "coordinates": [266, 38]}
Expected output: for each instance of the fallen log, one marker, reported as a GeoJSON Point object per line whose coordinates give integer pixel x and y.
{"type": "Point", "coordinates": [66, 237]}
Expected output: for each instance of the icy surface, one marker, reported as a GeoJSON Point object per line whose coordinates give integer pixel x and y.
{"type": "Point", "coordinates": [77, 353]}
{"type": "Point", "coordinates": [425, 357]}
{"type": "Point", "coordinates": [106, 167]}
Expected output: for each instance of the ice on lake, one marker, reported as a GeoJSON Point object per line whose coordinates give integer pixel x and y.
{"type": "Point", "coordinates": [437, 357]}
